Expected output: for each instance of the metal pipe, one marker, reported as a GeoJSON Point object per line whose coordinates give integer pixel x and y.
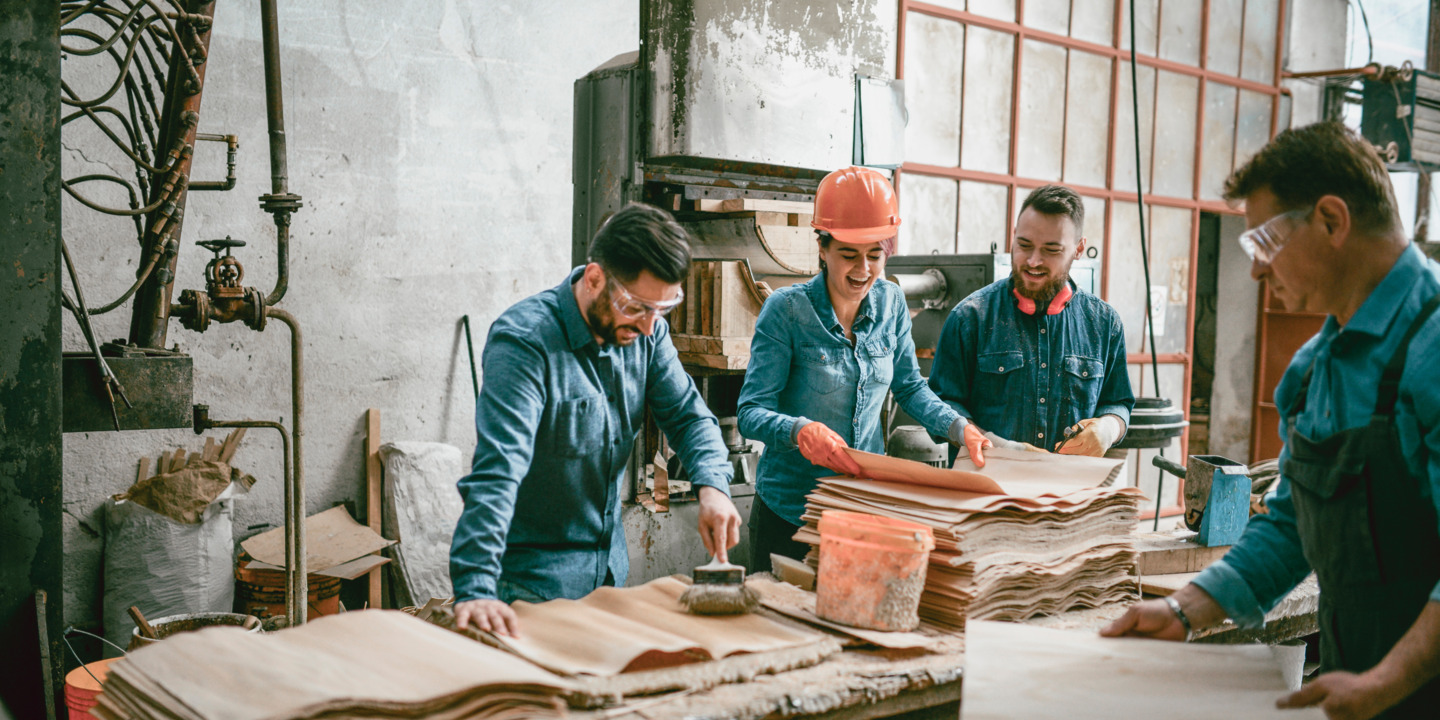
{"type": "Point", "coordinates": [297, 586]}
{"type": "Point", "coordinates": [927, 288]}
{"type": "Point", "coordinates": [295, 604]}
{"type": "Point", "coordinates": [279, 203]}
{"type": "Point", "coordinates": [150, 313]}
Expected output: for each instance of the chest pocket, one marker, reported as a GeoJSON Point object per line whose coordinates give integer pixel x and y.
{"type": "Point", "coordinates": [580, 423]}
{"type": "Point", "coordinates": [1082, 378]}
{"type": "Point", "coordinates": [997, 375]}
{"type": "Point", "coordinates": [880, 356]}
{"type": "Point", "coordinates": [1331, 491]}
{"type": "Point", "coordinates": [824, 367]}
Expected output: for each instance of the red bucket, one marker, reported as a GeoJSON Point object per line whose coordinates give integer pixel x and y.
{"type": "Point", "coordinates": [81, 689]}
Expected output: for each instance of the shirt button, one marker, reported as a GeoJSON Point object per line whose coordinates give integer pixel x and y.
{"type": "Point", "coordinates": [1042, 366]}
{"type": "Point", "coordinates": [1042, 331]}
{"type": "Point", "coordinates": [1084, 374]}
{"type": "Point", "coordinates": [1040, 435]}
{"type": "Point", "coordinates": [1042, 401]}
{"type": "Point", "coordinates": [1001, 369]}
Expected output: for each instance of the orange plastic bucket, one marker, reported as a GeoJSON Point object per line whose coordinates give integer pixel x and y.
{"type": "Point", "coordinates": [81, 689]}
{"type": "Point", "coordinates": [872, 570]}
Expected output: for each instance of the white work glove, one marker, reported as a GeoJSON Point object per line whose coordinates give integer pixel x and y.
{"type": "Point", "coordinates": [1092, 436]}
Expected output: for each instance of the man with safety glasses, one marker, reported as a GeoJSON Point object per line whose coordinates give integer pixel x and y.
{"type": "Point", "coordinates": [568, 375]}
{"type": "Point", "coordinates": [1360, 416]}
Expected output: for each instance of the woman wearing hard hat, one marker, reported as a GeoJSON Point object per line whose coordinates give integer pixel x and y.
{"type": "Point", "coordinates": [824, 354]}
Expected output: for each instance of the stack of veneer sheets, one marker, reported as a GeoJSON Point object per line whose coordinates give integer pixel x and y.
{"type": "Point", "coordinates": [367, 664]}
{"type": "Point", "coordinates": [1031, 534]}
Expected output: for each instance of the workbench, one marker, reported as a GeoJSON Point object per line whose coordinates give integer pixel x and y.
{"type": "Point", "coordinates": [863, 683]}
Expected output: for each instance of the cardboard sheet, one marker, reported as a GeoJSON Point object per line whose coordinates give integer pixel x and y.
{"type": "Point", "coordinates": [1030, 474]}
{"type": "Point", "coordinates": [331, 538]}
{"type": "Point", "coordinates": [893, 469]}
{"type": "Point", "coordinates": [365, 663]}
{"type": "Point", "coordinates": [615, 630]}
{"type": "Point", "coordinates": [1022, 671]}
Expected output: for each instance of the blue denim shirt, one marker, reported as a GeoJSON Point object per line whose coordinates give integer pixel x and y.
{"type": "Point", "coordinates": [802, 368]}
{"type": "Point", "coordinates": [557, 418]}
{"type": "Point", "coordinates": [1028, 377]}
{"type": "Point", "coordinates": [1267, 562]}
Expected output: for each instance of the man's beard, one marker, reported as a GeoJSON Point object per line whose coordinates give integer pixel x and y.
{"type": "Point", "coordinates": [602, 324]}
{"type": "Point", "coordinates": [1046, 291]}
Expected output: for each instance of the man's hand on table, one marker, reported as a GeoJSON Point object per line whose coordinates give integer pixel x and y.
{"type": "Point", "coordinates": [719, 523]}
{"type": "Point", "coordinates": [488, 615]}
{"type": "Point", "coordinates": [1155, 618]}
{"type": "Point", "coordinates": [1343, 696]}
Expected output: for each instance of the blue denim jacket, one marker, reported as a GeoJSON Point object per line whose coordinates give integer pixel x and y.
{"type": "Point", "coordinates": [557, 418]}
{"type": "Point", "coordinates": [1268, 561]}
{"type": "Point", "coordinates": [803, 368]}
{"type": "Point", "coordinates": [1028, 377]}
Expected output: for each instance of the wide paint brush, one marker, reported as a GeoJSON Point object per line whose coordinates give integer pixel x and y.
{"type": "Point", "coordinates": [719, 589]}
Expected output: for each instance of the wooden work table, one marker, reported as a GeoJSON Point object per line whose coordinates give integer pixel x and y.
{"type": "Point", "coordinates": [862, 683]}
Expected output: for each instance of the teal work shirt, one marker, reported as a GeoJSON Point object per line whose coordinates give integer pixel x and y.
{"type": "Point", "coordinates": [802, 368]}
{"type": "Point", "coordinates": [557, 419]}
{"type": "Point", "coordinates": [1267, 562]}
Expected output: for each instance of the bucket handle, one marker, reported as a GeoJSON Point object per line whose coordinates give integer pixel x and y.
{"type": "Point", "coordinates": [66, 637]}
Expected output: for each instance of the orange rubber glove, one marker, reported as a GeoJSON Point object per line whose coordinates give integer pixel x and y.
{"type": "Point", "coordinates": [976, 443]}
{"type": "Point", "coordinates": [825, 447]}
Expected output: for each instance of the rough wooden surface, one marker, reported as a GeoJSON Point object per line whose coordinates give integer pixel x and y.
{"type": "Point", "coordinates": [1178, 552]}
{"type": "Point", "coordinates": [863, 684]}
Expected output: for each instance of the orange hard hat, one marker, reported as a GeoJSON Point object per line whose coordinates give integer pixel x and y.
{"type": "Point", "coordinates": [856, 205]}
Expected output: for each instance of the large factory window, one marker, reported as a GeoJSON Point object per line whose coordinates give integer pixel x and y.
{"type": "Point", "coordinates": [1007, 95]}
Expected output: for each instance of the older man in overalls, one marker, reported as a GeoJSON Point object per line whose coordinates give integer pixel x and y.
{"type": "Point", "coordinates": [1360, 406]}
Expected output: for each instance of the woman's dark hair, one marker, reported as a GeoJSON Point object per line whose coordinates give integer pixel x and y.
{"type": "Point", "coordinates": [1302, 165]}
{"type": "Point", "coordinates": [642, 237]}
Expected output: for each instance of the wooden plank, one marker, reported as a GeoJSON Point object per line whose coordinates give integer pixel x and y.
{"type": "Point", "coordinates": [718, 362]}
{"type": "Point", "coordinates": [232, 443]}
{"type": "Point", "coordinates": [211, 450]}
{"type": "Point", "coordinates": [753, 205]}
{"type": "Point", "coordinates": [177, 460]}
{"type": "Point", "coordinates": [373, 475]}
{"type": "Point", "coordinates": [1162, 585]}
{"type": "Point", "coordinates": [1166, 553]}
{"type": "Point", "coordinates": [143, 471]}
{"type": "Point", "coordinates": [1021, 671]}
{"type": "Point", "coordinates": [708, 302]}
{"type": "Point", "coordinates": [164, 464]}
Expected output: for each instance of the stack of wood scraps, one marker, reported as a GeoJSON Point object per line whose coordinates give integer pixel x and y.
{"type": "Point", "coordinates": [184, 484]}
{"type": "Point", "coordinates": [365, 664]}
{"type": "Point", "coordinates": [1052, 542]}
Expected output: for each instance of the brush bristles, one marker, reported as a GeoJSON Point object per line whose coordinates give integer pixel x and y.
{"type": "Point", "coordinates": [711, 599]}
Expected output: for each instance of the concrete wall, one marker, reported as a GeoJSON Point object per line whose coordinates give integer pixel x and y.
{"type": "Point", "coordinates": [768, 82]}
{"type": "Point", "coordinates": [431, 143]}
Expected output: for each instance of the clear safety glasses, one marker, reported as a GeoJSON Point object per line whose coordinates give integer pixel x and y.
{"type": "Point", "coordinates": [633, 307]}
{"type": "Point", "coordinates": [1263, 243]}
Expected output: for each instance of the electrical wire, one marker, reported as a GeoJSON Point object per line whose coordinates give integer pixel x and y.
{"type": "Point", "coordinates": [1144, 246]}
{"type": "Point", "coordinates": [1369, 39]}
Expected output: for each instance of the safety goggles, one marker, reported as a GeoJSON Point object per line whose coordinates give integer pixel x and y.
{"type": "Point", "coordinates": [632, 307]}
{"type": "Point", "coordinates": [1263, 243]}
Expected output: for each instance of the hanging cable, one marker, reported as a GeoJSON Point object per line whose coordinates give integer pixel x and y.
{"type": "Point", "coordinates": [1144, 245]}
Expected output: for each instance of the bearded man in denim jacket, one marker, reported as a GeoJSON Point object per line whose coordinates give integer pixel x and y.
{"type": "Point", "coordinates": [1032, 358]}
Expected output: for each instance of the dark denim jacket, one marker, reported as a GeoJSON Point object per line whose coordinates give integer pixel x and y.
{"type": "Point", "coordinates": [1028, 377]}
{"type": "Point", "coordinates": [802, 367]}
{"type": "Point", "coordinates": [557, 418]}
